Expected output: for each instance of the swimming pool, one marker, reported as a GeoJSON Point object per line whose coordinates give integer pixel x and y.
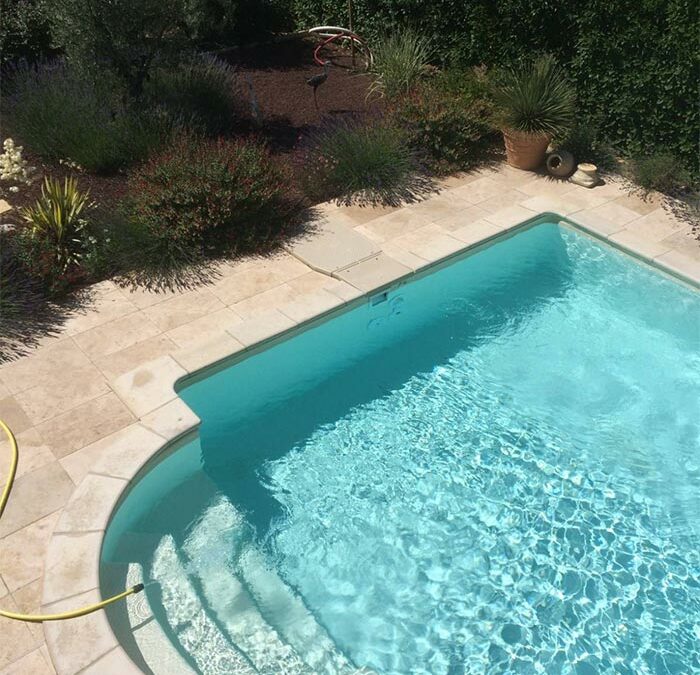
{"type": "Point", "coordinates": [494, 468]}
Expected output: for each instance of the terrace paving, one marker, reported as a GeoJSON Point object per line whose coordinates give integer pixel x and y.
{"type": "Point", "coordinates": [94, 401]}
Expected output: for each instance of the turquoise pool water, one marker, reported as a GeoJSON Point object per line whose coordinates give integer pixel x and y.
{"type": "Point", "coordinates": [492, 469]}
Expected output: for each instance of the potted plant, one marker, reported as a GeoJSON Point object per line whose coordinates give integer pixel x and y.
{"type": "Point", "coordinates": [534, 104]}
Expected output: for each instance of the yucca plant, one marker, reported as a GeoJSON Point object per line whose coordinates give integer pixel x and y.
{"type": "Point", "coordinates": [399, 61]}
{"type": "Point", "coordinates": [56, 238]}
{"type": "Point", "coordinates": [534, 104]}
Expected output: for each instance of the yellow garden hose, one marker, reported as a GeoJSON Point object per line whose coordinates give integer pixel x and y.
{"type": "Point", "coordinates": [38, 618]}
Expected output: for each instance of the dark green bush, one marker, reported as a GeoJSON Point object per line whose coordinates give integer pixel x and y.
{"type": "Point", "coordinates": [61, 115]}
{"type": "Point", "coordinates": [662, 172]}
{"type": "Point", "coordinates": [447, 121]}
{"type": "Point", "coordinates": [201, 197]}
{"type": "Point", "coordinates": [203, 92]}
{"type": "Point", "coordinates": [583, 141]}
{"type": "Point", "coordinates": [24, 32]}
{"type": "Point", "coordinates": [362, 163]}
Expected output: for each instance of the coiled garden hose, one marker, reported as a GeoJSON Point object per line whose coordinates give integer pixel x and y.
{"type": "Point", "coordinates": [39, 618]}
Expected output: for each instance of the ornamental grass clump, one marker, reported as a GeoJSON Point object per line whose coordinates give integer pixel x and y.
{"type": "Point", "coordinates": [358, 163]}
{"type": "Point", "coordinates": [399, 62]}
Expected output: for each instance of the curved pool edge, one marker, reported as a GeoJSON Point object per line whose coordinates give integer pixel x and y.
{"type": "Point", "coordinates": [72, 563]}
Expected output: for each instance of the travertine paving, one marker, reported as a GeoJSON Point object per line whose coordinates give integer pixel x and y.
{"type": "Point", "coordinates": [93, 402]}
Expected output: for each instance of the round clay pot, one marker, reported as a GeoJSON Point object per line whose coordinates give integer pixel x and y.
{"type": "Point", "coordinates": [523, 150]}
{"type": "Point", "coordinates": [560, 163]}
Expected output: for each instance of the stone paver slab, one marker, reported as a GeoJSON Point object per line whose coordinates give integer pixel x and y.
{"type": "Point", "coordinates": [172, 420]}
{"type": "Point", "coordinates": [332, 245]}
{"type": "Point", "coordinates": [681, 264]}
{"type": "Point", "coordinates": [261, 327]}
{"type": "Point", "coordinates": [16, 640]}
{"type": "Point", "coordinates": [90, 505]}
{"type": "Point", "coordinates": [374, 273]}
{"type": "Point", "coordinates": [207, 351]}
{"type": "Point", "coordinates": [631, 241]}
{"type": "Point", "coordinates": [72, 566]}
{"type": "Point", "coordinates": [116, 335]}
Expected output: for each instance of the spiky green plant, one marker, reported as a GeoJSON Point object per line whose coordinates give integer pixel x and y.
{"type": "Point", "coordinates": [536, 99]}
{"type": "Point", "coordinates": [56, 230]}
{"type": "Point", "coordinates": [399, 61]}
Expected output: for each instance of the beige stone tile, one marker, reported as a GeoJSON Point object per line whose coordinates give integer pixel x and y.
{"type": "Point", "coordinates": [85, 424]}
{"type": "Point", "coordinates": [150, 385]}
{"type": "Point", "coordinates": [640, 203]}
{"type": "Point", "coordinates": [208, 327]}
{"type": "Point", "coordinates": [33, 453]}
{"type": "Point", "coordinates": [47, 657]}
{"type": "Point", "coordinates": [62, 393]}
{"type": "Point", "coordinates": [310, 305]}
{"type": "Point", "coordinates": [264, 274]}
{"type": "Point", "coordinates": [545, 186]}
{"type": "Point", "coordinates": [507, 197]}
{"type": "Point", "coordinates": [442, 206]}
{"type": "Point", "coordinates": [121, 362]}
{"type": "Point", "coordinates": [171, 420]}
{"type": "Point", "coordinates": [595, 224]}
{"type": "Point", "coordinates": [183, 308]}
{"type": "Point", "coordinates": [72, 566]}
{"type": "Point", "coordinates": [261, 327]}
{"type": "Point", "coordinates": [640, 246]}
{"type": "Point", "coordinates": [681, 264]}
{"type": "Point", "coordinates": [562, 205]}
{"type": "Point", "coordinates": [315, 281]}
{"type": "Point", "coordinates": [615, 213]}
{"type": "Point", "coordinates": [657, 225]}
{"type": "Point", "coordinates": [117, 335]}
{"type": "Point", "coordinates": [115, 662]}
{"type": "Point", "coordinates": [476, 232]}
{"type": "Point", "coordinates": [79, 642]}
{"type": "Point", "coordinates": [4, 391]}
{"type": "Point", "coordinates": [144, 297]}
{"type": "Point", "coordinates": [332, 244]}
{"type": "Point", "coordinates": [30, 664]}
{"type": "Point", "coordinates": [103, 309]}
{"type": "Point", "coordinates": [28, 599]}
{"type": "Point", "coordinates": [479, 190]}
{"type": "Point", "coordinates": [510, 216]}
{"type": "Point", "coordinates": [23, 551]}
{"type": "Point", "coordinates": [16, 640]}
{"type": "Point", "coordinates": [430, 242]}
{"type": "Point", "coordinates": [3, 587]}
{"type": "Point", "coordinates": [363, 214]}
{"type": "Point", "coordinates": [374, 273]}
{"type": "Point", "coordinates": [36, 495]}
{"type": "Point", "coordinates": [685, 241]}
{"type": "Point", "coordinates": [90, 506]}
{"type": "Point", "coordinates": [394, 224]}
{"type": "Point", "coordinates": [49, 363]}
{"type": "Point", "coordinates": [461, 217]}
{"type": "Point", "coordinates": [13, 415]}
{"type": "Point", "coordinates": [120, 454]}
{"type": "Point", "coordinates": [402, 256]}
{"type": "Point", "coordinates": [265, 301]}
{"type": "Point", "coordinates": [207, 351]}
{"type": "Point", "coordinates": [457, 180]}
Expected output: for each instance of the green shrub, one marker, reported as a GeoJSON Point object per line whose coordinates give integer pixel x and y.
{"type": "Point", "coordinates": [203, 92]}
{"type": "Point", "coordinates": [362, 163]}
{"type": "Point", "coordinates": [400, 60]}
{"type": "Point", "coordinates": [583, 141]}
{"type": "Point", "coordinates": [535, 99]}
{"type": "Point", "coordinates": [61, 115]}
{"type": "Point", "coordinates": [56, 241]}
{"type": "Point", "coordinates": [663, 172]}
{"type": "Point", "coordinates": [201, 197]}
{"type": "Point", "coordinates": [24, 32]}
{"type": "Point", "coordinates": [447, 120]}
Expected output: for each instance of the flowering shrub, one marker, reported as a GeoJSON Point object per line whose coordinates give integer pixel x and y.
{"type": "Point", "coordinates": [201, 197]}
{"type": "Point", "coordinates": [13, 167]}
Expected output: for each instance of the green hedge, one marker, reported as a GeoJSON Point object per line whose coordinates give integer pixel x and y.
{"type": "Point", "coordinates": [634, 62]}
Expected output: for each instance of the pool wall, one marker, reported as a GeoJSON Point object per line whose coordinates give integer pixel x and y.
{"type": "Point", "coordinates": [158, 434]}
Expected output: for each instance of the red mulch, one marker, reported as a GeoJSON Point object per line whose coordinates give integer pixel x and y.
{"type": "Point", "coordinates": [278, 72]}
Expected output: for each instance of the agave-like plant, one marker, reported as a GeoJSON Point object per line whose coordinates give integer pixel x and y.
{"type": "Point", "coordinates": [399, 61]}
{"type": "Point", "coordinates": [55, 220]}
{"type": "Point", "coordinates": [537, 99]}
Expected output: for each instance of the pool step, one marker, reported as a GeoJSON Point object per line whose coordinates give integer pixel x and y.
{"type": "Point", "coordinates": [196, 631]}
{"type": "Point", "coordinates": [209, 548]}
{"type": "Point", "coordinates": [159, 654]}
{"type": "Point", "coordinates": [293, 620]}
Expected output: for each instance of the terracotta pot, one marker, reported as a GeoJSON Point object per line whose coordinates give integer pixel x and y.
{"type": "Point", "coordinates": [523, 150]}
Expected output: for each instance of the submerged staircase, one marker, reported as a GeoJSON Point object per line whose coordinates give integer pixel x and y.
{"type": "Point", "coordinates": [228, 611]}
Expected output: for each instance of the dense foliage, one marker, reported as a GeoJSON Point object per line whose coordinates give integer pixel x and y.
{"type": "Point", "coordinates": [400, 60]}
{"type": "Point", "coordinates": [24, 32]}
{"type": "Point", "coordinates": [446, 120]}
{"type": "Point", "coordinates": [660, 172]}
{"type": "Point", "coordinates": [633, 64]}
{"type": "Point", "coordinates": [206, 196]}
{"type": "Point", "coordinates": [63, 115]}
